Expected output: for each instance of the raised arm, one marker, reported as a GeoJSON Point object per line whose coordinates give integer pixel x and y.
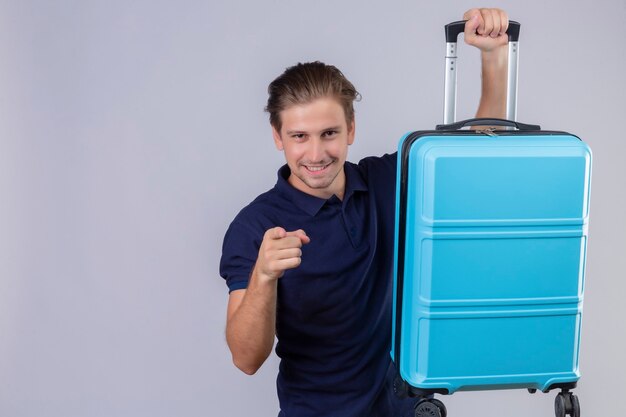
{"type": "Point", "coordinates": [251, 316]}
{"type": "Point", "coordinates": [486, 30]}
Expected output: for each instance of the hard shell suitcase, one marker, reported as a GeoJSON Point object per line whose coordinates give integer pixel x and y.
{"type": "Point", "coordinates": [491, 235]}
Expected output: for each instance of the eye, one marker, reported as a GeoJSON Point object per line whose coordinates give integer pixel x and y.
{"type": "Point", "coordinates": [298, 136]}
{"type": "Point", "coordinates": [329, 133]}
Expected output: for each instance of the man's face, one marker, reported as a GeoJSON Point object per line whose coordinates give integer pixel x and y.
{"type": "Point", "coordinates": [315, 139]}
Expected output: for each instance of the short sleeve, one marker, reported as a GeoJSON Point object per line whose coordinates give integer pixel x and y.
{"type": "Point", "coordinates": [239, 253]}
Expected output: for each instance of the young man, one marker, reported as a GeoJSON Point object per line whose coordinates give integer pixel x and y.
{"type": "Point", "coordinates": [310, 261]}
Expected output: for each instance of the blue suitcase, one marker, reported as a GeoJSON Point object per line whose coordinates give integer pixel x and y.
{"type": "Point", "coordinates": [491, 235]}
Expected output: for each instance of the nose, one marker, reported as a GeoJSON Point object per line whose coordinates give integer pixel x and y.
{"type": "Point", "coordinates": [316, 152]}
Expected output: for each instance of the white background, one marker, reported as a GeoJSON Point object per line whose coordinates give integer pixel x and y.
{"type": "Point", "coordinates": [132, 132]}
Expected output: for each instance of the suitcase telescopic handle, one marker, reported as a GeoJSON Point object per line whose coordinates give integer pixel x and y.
{"type": "Point", "coordinates": [452, 31]}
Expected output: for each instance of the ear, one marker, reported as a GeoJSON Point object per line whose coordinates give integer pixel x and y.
{"type": "Point", "coordinates": [278, 141]}
{"type": "Point", "coordinates": [351, 131]}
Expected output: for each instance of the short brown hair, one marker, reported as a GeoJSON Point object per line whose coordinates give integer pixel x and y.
{"type": "Point", "coordinates": [305, 82]}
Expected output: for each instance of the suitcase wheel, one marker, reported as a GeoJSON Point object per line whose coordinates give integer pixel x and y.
{"type": "Point", "coordinates": [430, 407]}
{"type": "Point", "coordinates": [566, 403]}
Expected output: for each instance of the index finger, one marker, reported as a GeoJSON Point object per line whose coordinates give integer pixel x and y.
{"type": "Point", "coordinates": [276, 233]}
{"type": "Point", "coordinates": [472, 26]}
{"type": "Point", "coordinates": [474, 23]}
{"type": "Point", "coordinates": [300, 234]}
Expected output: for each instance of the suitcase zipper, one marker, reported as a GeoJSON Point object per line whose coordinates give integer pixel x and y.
{"type": "Point", "coordinates": [488, 131]}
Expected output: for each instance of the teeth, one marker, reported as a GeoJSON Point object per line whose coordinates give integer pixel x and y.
{"type": "Point", "coordinates": [315, 168]}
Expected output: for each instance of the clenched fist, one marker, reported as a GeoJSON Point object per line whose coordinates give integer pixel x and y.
{"type": "Point", "coordinates": [486, 28]}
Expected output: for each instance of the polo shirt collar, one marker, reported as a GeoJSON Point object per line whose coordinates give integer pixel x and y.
{"type": "Point", "coordinates": [311, 204]}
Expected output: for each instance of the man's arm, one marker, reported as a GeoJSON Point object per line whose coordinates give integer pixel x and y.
{"type": "Point", "coordinates": [486, 30]}
{"type": "Point", "coordinates": [251, 316]}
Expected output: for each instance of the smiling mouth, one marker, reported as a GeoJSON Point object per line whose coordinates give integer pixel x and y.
{"type": "Point", "coordinates": [316, 168]}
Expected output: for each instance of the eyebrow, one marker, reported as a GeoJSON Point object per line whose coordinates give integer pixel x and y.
{"type": "Point", "coordinates": [292, 132]}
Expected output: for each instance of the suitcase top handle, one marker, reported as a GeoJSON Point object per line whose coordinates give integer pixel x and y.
{"type": "Point", "coordinates": [455, 28]}
{"type": "Point", "coordinates": [488, 122]}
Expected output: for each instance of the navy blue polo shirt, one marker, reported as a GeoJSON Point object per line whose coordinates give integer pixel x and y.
{"type": "Point", "coordinates": [334, 311]}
